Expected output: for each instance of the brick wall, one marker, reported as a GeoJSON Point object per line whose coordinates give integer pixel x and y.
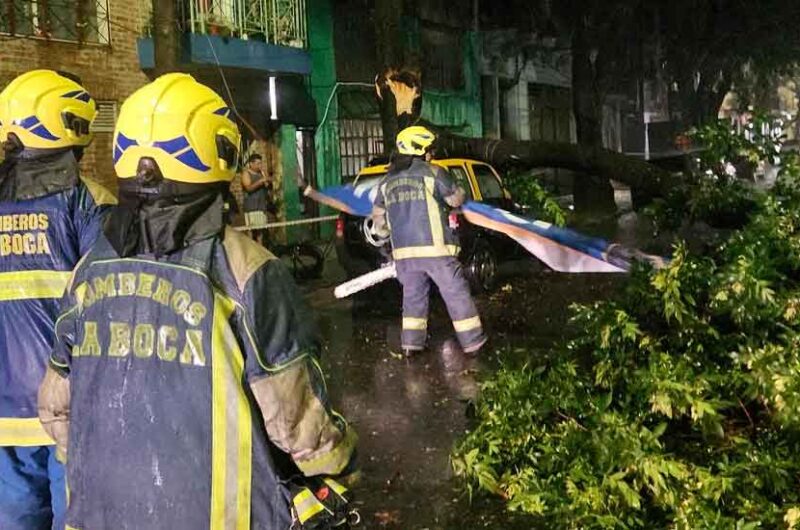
{"type": "Point", "coordinates": [108, 72]}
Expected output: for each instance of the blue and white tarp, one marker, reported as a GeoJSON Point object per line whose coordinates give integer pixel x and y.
{"type": "Point", "coordinates": [561, 249]}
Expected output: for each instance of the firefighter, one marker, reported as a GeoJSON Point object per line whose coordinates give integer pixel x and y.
{"type": "Point", "coordinates": [184, 386]}
{"type": "Point", "coordinates": [413, 204]}
{"type": "Point", "coordinates": [49, 216]}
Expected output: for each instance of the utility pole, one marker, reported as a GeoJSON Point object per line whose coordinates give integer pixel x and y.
{"type": "Point", "coordinates": [166, 37]}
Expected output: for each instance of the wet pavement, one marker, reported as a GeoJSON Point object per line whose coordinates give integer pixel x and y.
{"type": "Point", "coordinates": [409, 413]}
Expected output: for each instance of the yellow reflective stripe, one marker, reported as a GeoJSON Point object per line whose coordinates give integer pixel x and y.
{"type": "Point", "coordinates": [231, 439]}
{"type": "Point", "coordinates": [415, 324]}
{"type": "Point", "coordinates": [307, 505]}
{"type": "Point", "coordinates": [334, 461]}
{"type": "Point", "coordinates": [23, 432]}
{"type": "Point", "coordinates": [335, 486]}
{"type": "Point", "coordinates": [425, 252]}
{"type": "Point", "coordinates": [468, 324]}
{"type": "Point", "coordinates": [26, 285]}
{"type": "Point", "coordinates": [434, 213]}
{"type": "Point", "coordinates": [243, 486]}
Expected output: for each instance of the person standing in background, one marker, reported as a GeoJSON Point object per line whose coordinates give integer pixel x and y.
{"type": "Point", "coordinates": [257, 199]}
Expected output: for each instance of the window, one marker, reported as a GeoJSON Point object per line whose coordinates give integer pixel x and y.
{"type": "Point", "coordinates": [488, 182]}
{"type": "Point", "coordinates": [360, 141]}
{"type": "Point", "coordinates": [460, 178]}
{"type": "Point", "coordinates": [67, 20]}
{"type": "Point", "coordinates": [442, 59]}
{"type": "Point", "coordinates": [550, 113]}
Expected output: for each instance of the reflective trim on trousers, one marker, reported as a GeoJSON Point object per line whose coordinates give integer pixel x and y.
{"type": "Point", "coordinates": [470, 333]}
{"type": "Point", "coordinates": [467, 324]}
{"type": "Point", "coordinates": [415, 324]}
{"type": "Point", "coordinates": [426, 251]}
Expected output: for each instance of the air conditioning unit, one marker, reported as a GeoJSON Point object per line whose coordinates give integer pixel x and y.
{"type": "Point", "coordinates": [106, 117]}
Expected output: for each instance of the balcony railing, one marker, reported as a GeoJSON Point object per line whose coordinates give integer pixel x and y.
{"type": "Point", "coordinates": [273, 21]}
{"type": "Point", "coordinates": [63, 20]}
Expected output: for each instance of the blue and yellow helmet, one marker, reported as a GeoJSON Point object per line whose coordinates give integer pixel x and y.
{"type": "Point", "coordinates": [415, 140]}
{"type": "Point", "coordinates": [46, 111]}
{"type": "Point", "coordinates": [184, 126]}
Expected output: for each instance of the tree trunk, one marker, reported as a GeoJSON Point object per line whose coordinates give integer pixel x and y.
{"type": "Point", "coordinates": [700, 104]}
{"type": "Point", "coordinates": [166, 37]}
{"type": "Point", "coordinates": [590, 193]}
{"type": "Point", "coordinates": [596, 161]}
{"type": "Point", "coordinates": [589, 159]}
{"type": "Point", "coordinates": [390, 53]}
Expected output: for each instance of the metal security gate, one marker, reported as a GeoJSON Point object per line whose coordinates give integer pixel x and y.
{"type": "Point", "coordinates": [359, 142]}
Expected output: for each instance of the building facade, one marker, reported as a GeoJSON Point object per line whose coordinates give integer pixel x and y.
{"type": "Point", "coordinates": [435, 36]}
{"type": "Point", "coordinates": [93, 39]}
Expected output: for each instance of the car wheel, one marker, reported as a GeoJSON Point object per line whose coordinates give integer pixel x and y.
{"type": "Point", "coordinates": [482, 268]}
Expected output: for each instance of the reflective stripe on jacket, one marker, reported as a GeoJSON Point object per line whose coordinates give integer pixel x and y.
{"type": "Point", "coordinates": [416, 212]}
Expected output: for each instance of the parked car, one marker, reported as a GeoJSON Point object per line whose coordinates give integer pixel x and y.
{"type": "Point", "coordinates": [482, 250]}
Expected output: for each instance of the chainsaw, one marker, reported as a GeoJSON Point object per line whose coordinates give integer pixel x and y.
{"type": "Point", "coordinates": [366, 280]}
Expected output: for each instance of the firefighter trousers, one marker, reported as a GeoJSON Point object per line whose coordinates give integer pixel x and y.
{"type": "Point", "coordinates": [33, 493]}
{"type": "Point", "coordinates": [416, 275]}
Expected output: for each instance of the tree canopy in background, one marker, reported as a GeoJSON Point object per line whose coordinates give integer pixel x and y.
{"type": "Point", "coordinates": [699, 48]}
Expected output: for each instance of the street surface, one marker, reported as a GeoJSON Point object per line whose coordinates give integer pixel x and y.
{"type": "Point", "coordinates": [408, 413]}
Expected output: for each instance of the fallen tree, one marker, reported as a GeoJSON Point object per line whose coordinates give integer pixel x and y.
{"type": "Point", "coordinates": [675, 405]}
{"type": "Point", "coordinates": [400, 97]}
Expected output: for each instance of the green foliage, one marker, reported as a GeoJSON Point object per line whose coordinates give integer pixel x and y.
{"type": "Point", "coordinates": [528, 192]}
{"type": "Point", "coordinates": [676, 406]}
{"type": "Point", "coordinates": [716, 192]}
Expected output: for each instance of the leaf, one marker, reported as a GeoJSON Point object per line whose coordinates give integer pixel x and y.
{"type": "Point", "coordinates": [659, 430]}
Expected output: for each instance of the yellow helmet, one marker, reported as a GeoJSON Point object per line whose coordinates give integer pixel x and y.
{"type": "Point", "coordinates": [46, 111]}
{"type": "Point", "coordinates": [415, 140]}
{"type": "Point", "coordinates": [184, 126]}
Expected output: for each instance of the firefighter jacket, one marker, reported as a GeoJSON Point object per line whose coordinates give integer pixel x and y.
{"type": "Point", "coordinates": [416, 211]}
{"type": "Point", "coordinates": [48, 218]}
{"type": "Point", "coordinates": [174, 380]}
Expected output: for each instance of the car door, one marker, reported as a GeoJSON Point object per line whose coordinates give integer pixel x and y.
{"type": "Point", "coordinates": [458, 172]}
{"type": "Point", "coordinates": [491, 191]}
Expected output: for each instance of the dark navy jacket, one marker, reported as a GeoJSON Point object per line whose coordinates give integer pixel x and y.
{"type": "Point", "coordinates": [185, 375]}
{"type": "Point", "coordinates": [416, 211]}
{"type": "Point", "coordinates": [42, 237]}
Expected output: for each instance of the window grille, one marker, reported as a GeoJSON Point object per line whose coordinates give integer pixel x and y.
{"type": "Point", "coordinates": [63, 20]}
{"type": "Point", "coordinates": [359, 142]}
{"type": "Point", "coordinates": [442, 59]}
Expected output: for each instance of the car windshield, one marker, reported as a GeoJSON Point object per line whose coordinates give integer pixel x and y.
{"type": "Point", "coordinates": [487, 182]}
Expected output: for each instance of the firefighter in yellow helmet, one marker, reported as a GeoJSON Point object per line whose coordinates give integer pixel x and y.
{"type": "Point", "coordinates": [185, 364]}
{"type": "Point", "coordinates": [49, 216]}
{"type": "Point", "coordinates": [413, 201]}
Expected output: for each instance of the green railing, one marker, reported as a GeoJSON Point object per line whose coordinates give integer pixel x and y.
{"type": "Point", "coordinates": [274, 21]}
